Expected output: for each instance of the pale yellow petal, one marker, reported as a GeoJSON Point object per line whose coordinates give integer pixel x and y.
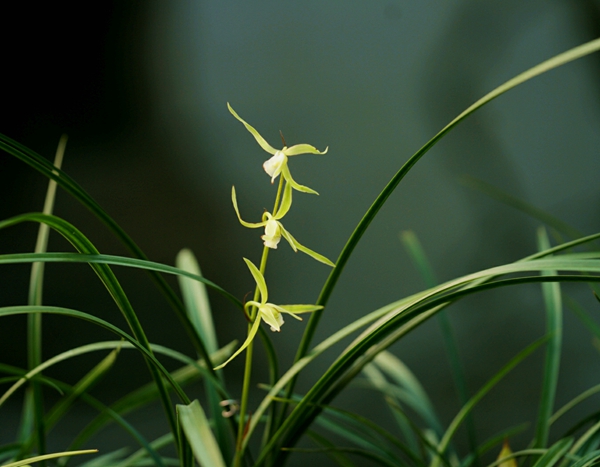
{"type": "Point", "coordinates": [286, 202]}
{"type": "Point", "coordinates": [296, 186]}
{"type": "Point", "coordinates": [246, 343]}
{"type": "Point", "coordinates": [250, 225]}
{"type": "Point", "coordinates": [303, 149]}
{"type": "Point", "coordinates": [259, 139]}
{"type": "Point", "coordinates": [260, 280]}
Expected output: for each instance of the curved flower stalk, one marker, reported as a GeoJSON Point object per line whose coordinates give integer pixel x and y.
{"type": "Point", "coordinates": [267, 312]}
{"type": "Point", "coordinates": [274, 230]}
{"type": "Point", "coordinates": [278, 163]}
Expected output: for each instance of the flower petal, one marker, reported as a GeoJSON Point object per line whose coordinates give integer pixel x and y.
{"type": "Point", "coordinates": [250, 225]}
{"type": "Point", "coordinates": [275, 165]}
{"type": "Point", "coordinates": [259, 139]}
{"type": "Point", "coordinates": [303, 149]}
{"type": "Point", "coordinates": [297, 246]}
{"type": "Point", "coordinates": [299, 308]}
{"type": "Point", "coordinates": [272, 234]}
{"type": "Point", "coordinates": [260, 280]}
{"type": "Point", "coordinates": [294, 309]}
{"type": "Point", "coordinates": [286, 202]}
{"type": "Point", "coordinates": [288, 236]}
{"type": "Point", "coordinates": [288, 177]}
{"type": "Point", "coordinates": [270, 315]}
{"type": "Point", "coordinates": [246, 343]}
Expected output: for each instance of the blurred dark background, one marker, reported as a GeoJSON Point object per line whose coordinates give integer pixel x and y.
{"type": "Point", "coordinates": [141, 90]}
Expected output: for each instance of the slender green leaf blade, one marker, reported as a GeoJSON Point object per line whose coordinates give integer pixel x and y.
{"type": "Point", "coordinates": [197, 430]}
{"type": "Point", "coordinates": [553, 303]}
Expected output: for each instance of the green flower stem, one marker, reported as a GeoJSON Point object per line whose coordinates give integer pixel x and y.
{"type": "Point", "coordinates": [248, 366]}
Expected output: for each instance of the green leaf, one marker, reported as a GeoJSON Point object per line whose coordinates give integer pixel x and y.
{"type": "Point", "coordinates": [147, 394]}
{"type": "Point", "coordinates": [34, 321]}
{"type": "Point", "coordinates": [55, 455]}
{"type": "Point", "coordinates": [519, 204]}
{"type": "Point", "coordinates": [196, 427]}
{"type": "Point", "coordinates": [83, 385]}
{"type": "Point", "coordinates": [196, 300]}
{"type": "Point", "coordinates": [338, 457]}
{"type": "Point", "coordinates": [573, 402]}
{"type": "Point", "coordinates": [458, 419]}
{"type": "Point", "coordinates": [588, 460]}
{"type": "Point", "coordinates": [554, 453]}
{"type": "Point", "coordinates": [554, 62]}
{"type": "Point", "coordinates": [553, 303]}
{"type": "Point", "coordinates": [68, 184]}
{"type": "Point", "coordinates": [418, 399]}
{"type": "Point", "coordinates": [198, 308]}
{"type": "Point", "coordinates": [152, 361]}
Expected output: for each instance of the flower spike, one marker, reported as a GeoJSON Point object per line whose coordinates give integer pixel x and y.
{"type": "Point", "coordinates": [268, 312]}
{"type": "Point", "coordinates": [277, 164]}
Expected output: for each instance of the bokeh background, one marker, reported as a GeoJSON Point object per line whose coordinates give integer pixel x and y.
{"type": "Point", "coordinates": [141, 90]}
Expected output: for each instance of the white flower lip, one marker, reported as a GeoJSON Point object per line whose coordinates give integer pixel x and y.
{"type": "Point", "coordinates": [272, 234]}
{"type": "Point", "coordinates": [275, 164]}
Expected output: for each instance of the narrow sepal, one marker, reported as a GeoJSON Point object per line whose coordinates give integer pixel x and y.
{"type": "Point", "coordinates": [303, 149]}
{"type": "Point", "coordinates": [260, 280]}
{"type": "Point", "coordinates": [288, 177]}
{"type": "Point", "coordinates": [250, 225]}
{"type": "Point", "coordinates": [297, 246]}
{"type": "Point", "coordinates": [259, 139]}
{"type": "Point", "coordinates": [251, 334]}
{"type": "Point", "coordinates": [286, 202]}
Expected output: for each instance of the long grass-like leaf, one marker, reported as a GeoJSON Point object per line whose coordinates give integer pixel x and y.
{"type": "Point", "coordinates": [75, 352]}
{"type": "Point", "coordinates": [34, 321]}
{"type": "Point", "coordinates": [367, 429]}
{"type": "Point", "coordinates": [83, 245]}
{"type": "Point", "coordinates": [54, 455]}
{"type": "Point", "coordinates": [196, 300]}
{"type": "Point", "coordinates": [559, 60]}
{"type": "Point", "coordinates": [391, 393]}
{"type": "Point", "coordinates": [19, 310]}
{"type": "Point", "coordinates": [40, 164]}
{"type": "Point", "coordinates": [147, 394]}
{"type": "Point", "coordinates": [419, 258]}
{"type": "Point", "coordinates": [588, 460]}
{"type": "Point", "coordinates": [338, 457]}
{"type": "Point", "coordinates": [361, 439]}
{"type": "Point", "coordinates": [83, 385]}
{"type": "Point", "coordinates": [332, 382]}
{"type": "Point", "coordinates": [196, 427]}
{"type": "Point", "coordinates": [553, 303]}
{"type": "Point", "coordinates": [493, 442]}
{"type": "Point", "coordinates": [197, 305]}
{"type": "Point", "coordinates": [487, 387]}
{"type": "Point", "coordinates": [417, 397]}
{"type": "Point", "coordinates": [573, 402]}
{"type": "Point", "coordinates": [401, 311]}
{"type": "Point", "coordinates": [514, 202]}
{"type": "Point", "coordinates": [374, 457]}
{"type": "Point", "coordinates": [554, 453]}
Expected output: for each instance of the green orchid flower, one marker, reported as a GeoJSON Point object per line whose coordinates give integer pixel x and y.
{"type": "Point", "coordinates": [274, 229]}
{"type": "Point", "coordinates": [277, 164]}
{"type": "Point", "coordinates": [267, 312]}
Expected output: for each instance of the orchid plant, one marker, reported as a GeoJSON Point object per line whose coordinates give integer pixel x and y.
{"type": "Point", "coordinates": [225, 435]}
